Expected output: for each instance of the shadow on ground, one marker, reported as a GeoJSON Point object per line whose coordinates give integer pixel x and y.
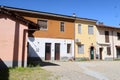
{"type": "Point", "coordinates": [36, 61]}
{"type": "Point", "coordinates": [4, 71]}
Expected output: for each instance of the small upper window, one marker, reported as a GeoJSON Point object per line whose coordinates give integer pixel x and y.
{"type": "Point", "coordinates": [42, 24]}
{"type": "Point", "coordinates": [62, 26]}
{"type": "Point", "coordinates": [107, 36]}
{"type": "Point", "coordinates": [79, 28]}
{"type": "Point", "coordinates": [90, 29]}
{"type": "Point", "coordinates": [118, 35]}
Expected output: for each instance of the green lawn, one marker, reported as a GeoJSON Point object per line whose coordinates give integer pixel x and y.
{"type": "Point", "coordinates": [34, 73]}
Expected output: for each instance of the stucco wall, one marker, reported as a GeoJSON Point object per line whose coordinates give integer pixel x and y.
{"type": "Point", "coordinates": [8, 43]}
{"type": "Point", "coordinates": [54, 28]}
{"type": "Point", "coordinates": [7, 30]}
{"type": "Point", "coordinates": [86, 39]}
{"type": "Point", "coordinates": [37, 47]}
{"type": "Point", "coordinates": [113, 41]}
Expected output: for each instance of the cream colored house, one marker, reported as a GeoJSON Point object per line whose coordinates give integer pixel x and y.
{"type": "Point", "coordinates": [108, 42]}
{"type": "Point", "coordinates": [85, 39]}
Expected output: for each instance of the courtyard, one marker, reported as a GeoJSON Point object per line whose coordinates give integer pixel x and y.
{"type": "Point", "coordinates": [85, 70]}
{"type": "Point", "coordinates": [56, 70]}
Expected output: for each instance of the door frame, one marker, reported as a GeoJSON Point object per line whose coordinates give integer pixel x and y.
{"type": "Point", "coordinates": [117, 48]}
{"type": "Point", "coordinates": [57, 54]}
{"type": "Point", "coordinates": [47, 55]}
{"type": "Point", "coordinates": [100, 53]}
{"type": "Point", "coordinates": [92, 57]}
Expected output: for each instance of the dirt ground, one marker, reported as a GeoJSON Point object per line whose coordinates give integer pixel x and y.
{"type": "Point", "coordinates": [85, 70]}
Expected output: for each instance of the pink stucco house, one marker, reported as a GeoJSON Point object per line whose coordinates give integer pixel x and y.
{"type": "Point", "coordinates": [13, 38]}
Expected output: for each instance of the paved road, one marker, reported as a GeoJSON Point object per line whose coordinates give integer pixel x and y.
{"type": "Point", "coordinates": [89, 70]}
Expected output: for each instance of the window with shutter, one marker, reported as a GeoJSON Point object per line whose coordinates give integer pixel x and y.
{"type": "Point", "coordinates": [107, 36]}
{"type": "Point", "coordinates": [90, 29]}
{"type": "Point", "coordinates": [80, 49]}
{"type": "Point", "coordinates": [42, 24]}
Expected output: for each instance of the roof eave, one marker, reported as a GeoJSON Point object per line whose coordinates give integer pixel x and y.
{"type": "Point", "coordinates": [38, 12]}
{"type": "Point", "coordinates": [86, 19]}
{"type": "Point", "coordinates": [105, 26]}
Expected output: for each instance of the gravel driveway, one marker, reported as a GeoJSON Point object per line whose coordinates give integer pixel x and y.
{"type": "Point", "coordinates": [88, 70]}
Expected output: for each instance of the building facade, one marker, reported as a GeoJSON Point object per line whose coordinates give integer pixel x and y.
{"type": "Point", "coordinates": [85, 39]}
{"type": "Point", "coordinates": [13, 41]}
{"type": "Point", "coordinates": [61, 37]}
{"type": "Point", "coordinates": [54, 40]}
{"type": "Point", "coordinates": [108, 42]}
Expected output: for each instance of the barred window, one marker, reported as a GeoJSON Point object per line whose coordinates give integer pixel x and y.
{"type": "Point", "coordinates": [62, 26]}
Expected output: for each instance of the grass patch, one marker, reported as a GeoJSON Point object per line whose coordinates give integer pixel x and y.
{"type": "Point", "coordinates": [116, 59]}
{"type": "Point", "coordinates": [34, 73]}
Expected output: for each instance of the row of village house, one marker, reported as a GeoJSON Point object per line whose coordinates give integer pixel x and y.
{"type": "Point", "coordinates": [27, 34]}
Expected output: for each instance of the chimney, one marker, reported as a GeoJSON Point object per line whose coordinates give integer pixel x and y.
{"type": "Point", "coordinates": [74, 15]}
{"type": "Point", "coordinates": [100, 23]}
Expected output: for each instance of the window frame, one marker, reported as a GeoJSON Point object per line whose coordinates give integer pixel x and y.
{"type": "Point", "coordinates": [109, 51]}
{"type": "Point", "coordinates": [46, 23]}
{"type": "Point", "coordinates": [89, 29]}
{"type": "Point", "coordinates": [107, 38]}
{"type": "Point", "coordinates": [82, 46]}
{"type": "Point", "coordinates": [70, 48]}
{"type": "Point", "coordinates": [79, 28]}
{"type": "Point", "coordinates": [118, 35]}
{"type": "Point", "coordinates": [61, 26]}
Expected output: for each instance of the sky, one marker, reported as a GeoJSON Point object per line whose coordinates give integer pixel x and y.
{"type": "Point", "coordinates": [106, 11]}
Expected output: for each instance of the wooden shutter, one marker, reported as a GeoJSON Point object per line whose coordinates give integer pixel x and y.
{"type": "Point", "coordinates": [42, 24]}
{"type": "Point", "coordinates": [106, 36]}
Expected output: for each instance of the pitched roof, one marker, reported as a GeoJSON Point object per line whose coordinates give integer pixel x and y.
{"type": "Point", "coordinates": [106, 26]}
{"type": "Point", "coordinates": [18, 17]}
{"type": "Point", "coordinates": [47, 13]}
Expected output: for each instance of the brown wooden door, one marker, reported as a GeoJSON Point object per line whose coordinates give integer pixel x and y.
{"type": "Point", "coordinates": [57, 51]}
{"type": "Point", "coordinates": [48, 51]}
{"type": "Point", "coordinates": [101, 49]}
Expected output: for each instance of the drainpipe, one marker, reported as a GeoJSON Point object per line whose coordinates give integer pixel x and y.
{"type": "Point", "coordinates": [74, 35]}
{"type": "Point", "coordinates": [74, 40]}
{"type": "Point", "coordinates": [113, 43]}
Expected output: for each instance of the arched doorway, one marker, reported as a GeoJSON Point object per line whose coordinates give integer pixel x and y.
{"type": "Point", "coordinates": [91, 52]}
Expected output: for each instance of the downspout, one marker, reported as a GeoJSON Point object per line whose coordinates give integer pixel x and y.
{"type": "Point", "coordinates": [113, 44]}
{"type": "Point", "coordinates": [74, 40]}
